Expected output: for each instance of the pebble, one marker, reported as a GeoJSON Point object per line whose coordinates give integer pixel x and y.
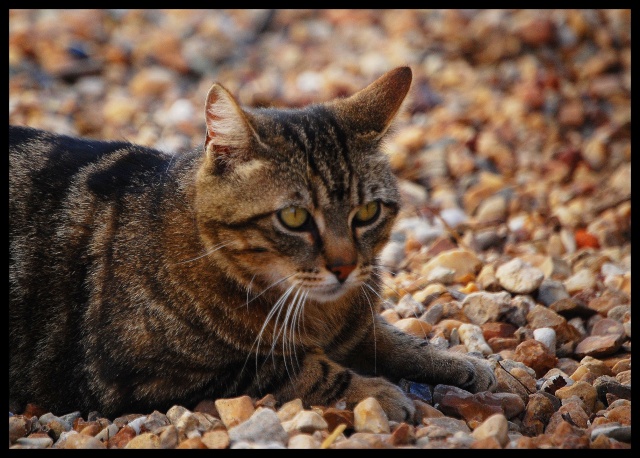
{"type": "Point", "coordinates": [35, 441]}
{"type": "Point", "coordinates": [414, 326]}
{"type": "Point", "coordinates": [408, 307]}
{"type": "Point", "coordinates": [551, 291]}
{"type": "Point", "coordinates": [169, 437]}
{"type": "Point", "coordinates": [234, 411]}
{"type": "Point", "coordinates": [547, 336]}
{"type": "Point", "coordinates": [262, 427]}
{"type": "Point", "coordinates": [290, 409]}
{"type": "Point", "coordinates": [336, 417]}
{"type": "Point", "coordinates": [19, 426]}
{"type": "Point", "coordinates": [368, 416]}
{"type": "Point", "coordinates": [144, 440]}
{"type": "Point", "coordinates": [535, 355]}
{"type": "Point", "coordinates": [494, 209]}
{"type": "Point", "coordinates": [75, 440]}
{"type": "Point", "coordinates": [305, 421]}
{"type": "Point", "coordinates": [483, 307]}
{"type": "Point", "coordinates": [585, 391]}
{"type": "Point", "coordinates": [123, 437]}
{"type": "Point", "coordinates": [519, 277]}
{"type": "Point", "coordinates": [620, 414]}
{"type": "Point", "coordinates": [495, 426]}
{"type": "Point", "coordinates": [303, 441]}
{"type": "Point", "coordinates": [581, 280]}
{"type": "Point", "coordinates": [538, 412]}
{"type": "Point", "coordinates": [471, 336]}
{"type": "Point", "coordinates": [605, 385]}
{"type": "Point", "coordinates": [271, 445]}
{"type": "Point", "coordinates": [543, 317]}
{"type": "Point", "coordinates": [192, 443]}
{"type": "Point", "coordinates": [465, 264]}
{"type": "Point", "coordinates": [598, 346]}
{"type": "Point", "coordinates": [614, 431]}
{"type": "Point", "coordinates": [107, 433]}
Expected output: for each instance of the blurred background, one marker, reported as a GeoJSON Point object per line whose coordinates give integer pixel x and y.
{"type": "Point", "coordinates": [519, 118]}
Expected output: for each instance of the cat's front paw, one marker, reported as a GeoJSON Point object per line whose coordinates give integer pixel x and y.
{"type": "Point", "coordinates": [480, 375]}
{"type": "Point", "coordinates": [392, 399]}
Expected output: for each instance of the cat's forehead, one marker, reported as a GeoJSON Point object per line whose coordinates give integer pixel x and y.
{"type": "Point", "coordinates": [317, 158]}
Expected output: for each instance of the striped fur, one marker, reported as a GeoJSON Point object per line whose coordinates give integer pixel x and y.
{"type": "Point", "coordinates": [140, 280]}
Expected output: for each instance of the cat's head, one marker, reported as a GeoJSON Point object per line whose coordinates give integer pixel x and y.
{"type": "Point", "coordinates": [300, 200]}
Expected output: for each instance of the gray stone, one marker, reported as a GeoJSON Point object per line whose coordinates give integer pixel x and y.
{"type": "Point", "coordinates": [137, 423]}
{"type": "Point", "coordinates": [433, 314]}
{"type": "Point", "coordinates": [107, 433]}
{"type": "Point", "coordinates": [71, 417]}
{"type": "Point", "coordinates": [262, 427]}
{"type": "Point", "coordinates": [483, 307]}
{"type": "Point", "coordinates": [551, 291]}
{"type": "Point", "coordinates": [408, 307]}
{"type": "Point", "coordinates": [257, 445]}
{"type": "Point", "coordinates": [614, 431]}
{"type": "Point", "coordinates": [36, 442]}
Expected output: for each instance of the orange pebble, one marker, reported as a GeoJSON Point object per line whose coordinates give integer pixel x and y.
{"type": "Point", "coordinates": [585, 239]}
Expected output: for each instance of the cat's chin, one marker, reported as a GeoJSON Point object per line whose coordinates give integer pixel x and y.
{"type": "Point", "coordinates": [330, 293]}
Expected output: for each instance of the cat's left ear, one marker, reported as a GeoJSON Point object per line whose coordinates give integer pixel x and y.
{"type": "Point", "coordinates": [371, 110]}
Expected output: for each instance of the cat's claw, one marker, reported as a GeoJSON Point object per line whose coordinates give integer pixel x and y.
{"type": "Point", "coordinates": [481, 376]}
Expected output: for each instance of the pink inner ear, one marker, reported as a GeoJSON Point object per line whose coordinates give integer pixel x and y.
{"type": "Point", "coordinates": [228, 129]}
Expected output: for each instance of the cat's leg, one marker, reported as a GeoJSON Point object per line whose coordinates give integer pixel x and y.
{"type": "Point", "coordinates": [321, 381]}
{"type": "Point", "coordinates": [389, 352]}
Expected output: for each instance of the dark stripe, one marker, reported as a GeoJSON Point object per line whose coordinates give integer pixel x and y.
{"type": "Point", "coordinates": [244, 223]}
{"type": "Point", "coordinates": [132, 173]}
{"type": "Point", "coordinates": [342, 146]}
{"type": "Point", "coordinates": [351, 331]}
{"type": "Point", "coordinates": [338, 387]}
{"type": "Point", "coordinates": [324, 366]}
{"type": "Point", "coordinates": [290, 130]}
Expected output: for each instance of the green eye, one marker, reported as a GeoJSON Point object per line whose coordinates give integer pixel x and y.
{"type": "Point", "coordinates": [366, 213]}
{"type": "Point", "coordinates": [293, 217]}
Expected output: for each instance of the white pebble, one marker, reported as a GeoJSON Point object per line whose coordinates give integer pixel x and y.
{"type": "Point", "coordinates": [546, 336]}
{"type": "Point", "coordinates": [472, 338]}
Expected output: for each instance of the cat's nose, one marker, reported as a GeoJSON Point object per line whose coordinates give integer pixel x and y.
{"type": "Point", "coordinates": [341, 271]}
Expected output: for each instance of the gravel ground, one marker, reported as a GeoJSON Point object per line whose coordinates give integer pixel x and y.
{"type": "Point", "coordinates": [514, 156]}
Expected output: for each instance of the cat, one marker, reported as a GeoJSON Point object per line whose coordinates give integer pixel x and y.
{"type": "Point", "coordinates": [140, 279]}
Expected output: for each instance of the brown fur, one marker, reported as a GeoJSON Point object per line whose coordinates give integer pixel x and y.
{"type": "Point", "coordinates": [140, 280]}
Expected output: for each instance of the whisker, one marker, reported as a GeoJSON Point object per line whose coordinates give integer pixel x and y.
{"type": "Point", "coordinates": [287, 343]}
{"type": "Point", "coordinates": [298, 313]}
{"type": "Point", "coordinates": [269, 287]}
{"type": "Point", "coordinates": [258, 339]}
{"type": "Point", "coordinates": [375, 348]}
{"type": "Point", "coordinates": [282, 330]}
{"type": "Point", "coordinates": [415, 274]}
{"type": "Point", "coordinates": [213, 250]}
{"type": "Point", "coordinates": [249, 290]}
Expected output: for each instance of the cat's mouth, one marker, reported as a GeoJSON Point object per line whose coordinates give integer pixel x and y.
{"type": "Point", "coordinates": [329, 292]}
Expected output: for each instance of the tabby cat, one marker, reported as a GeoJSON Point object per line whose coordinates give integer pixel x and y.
{"type": "Point", "coordinates": [140, 279]}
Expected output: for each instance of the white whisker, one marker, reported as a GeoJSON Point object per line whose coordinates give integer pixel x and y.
{"type": "Point", "coordinates": [269, 287]}
{"type": "Point", "coordinates": [213, 250]}
{"type": "Point", "coordinates": [375, 348]}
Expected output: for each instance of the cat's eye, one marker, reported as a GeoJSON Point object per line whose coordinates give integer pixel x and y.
{"type": "Point", "coordinates": [367, 213]}
{"type": "Point", "coordinates": [293, 217]}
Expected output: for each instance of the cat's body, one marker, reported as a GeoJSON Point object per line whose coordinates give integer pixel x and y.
{"type": "Point", "coordinates": [140, 280]}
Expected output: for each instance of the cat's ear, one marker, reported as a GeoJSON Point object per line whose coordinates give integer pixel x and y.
{"type": "Point", "coordinates": [371, 110]}
{"type": "Point", "coordinates": [229, 132]}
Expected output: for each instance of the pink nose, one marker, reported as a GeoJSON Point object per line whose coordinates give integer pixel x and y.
{"type": "Point", "coordinates": [342, 271]}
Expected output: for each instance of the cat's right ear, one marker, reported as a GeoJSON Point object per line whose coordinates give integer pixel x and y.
{"type": "Point", "coordinates": [229, 132]}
